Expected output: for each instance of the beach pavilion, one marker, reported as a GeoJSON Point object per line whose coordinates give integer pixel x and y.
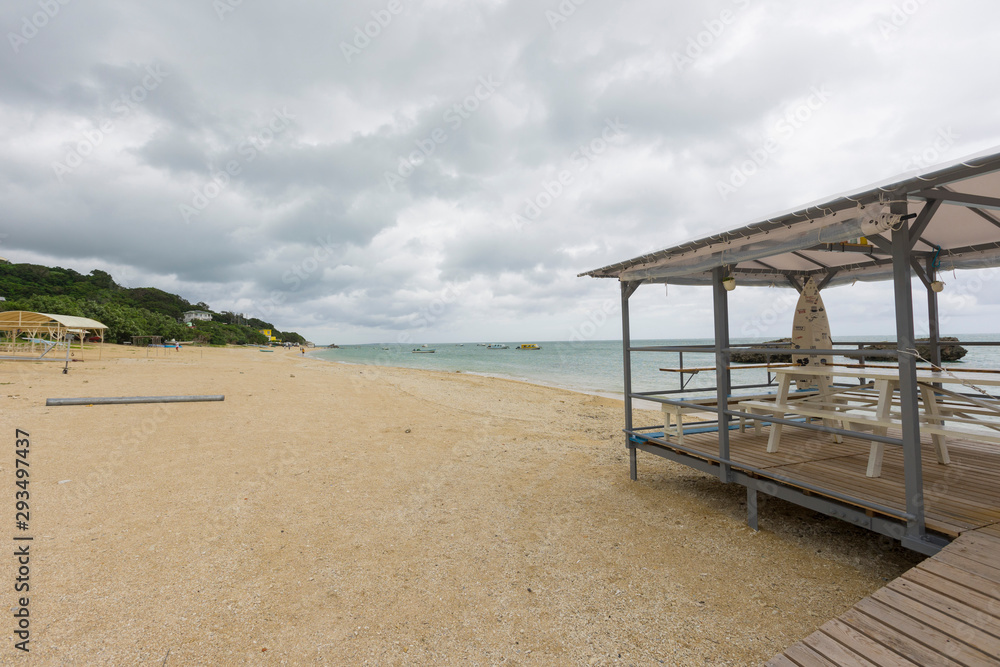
{"type": "Point", "coordinates": [37, 333]}
{"type": "Point", "coordinates": [935, 429]}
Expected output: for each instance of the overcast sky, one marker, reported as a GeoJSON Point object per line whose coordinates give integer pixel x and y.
{"type": "Point", "coordinates": [407, 170]}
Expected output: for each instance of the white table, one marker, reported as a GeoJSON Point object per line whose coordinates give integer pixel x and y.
{"type": "Point", "coordinates": [872, 410]}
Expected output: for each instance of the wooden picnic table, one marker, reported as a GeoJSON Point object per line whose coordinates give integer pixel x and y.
{"type": "Point", "coordinates": [870, 406]}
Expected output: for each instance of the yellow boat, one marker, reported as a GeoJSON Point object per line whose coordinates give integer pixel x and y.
{"type": "Point", "coordinates": [528, 346]}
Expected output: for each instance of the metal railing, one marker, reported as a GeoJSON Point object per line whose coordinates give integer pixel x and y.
{"type": "Point", "coordinates": [864, 352]}
{"type": "Point", "coordinates": [839, 349]}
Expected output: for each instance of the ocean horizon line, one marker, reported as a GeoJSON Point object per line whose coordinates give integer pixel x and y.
{"type": "Point", "coordinates": [738, 340]}
{"type": "Point", "coordinates": [591, 367]}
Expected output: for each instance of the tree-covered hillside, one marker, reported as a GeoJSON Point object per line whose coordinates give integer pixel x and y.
{"type": "Point", "coordinates": [143, 311]}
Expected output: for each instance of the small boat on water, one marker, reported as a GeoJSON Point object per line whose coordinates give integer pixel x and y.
{"type": "Point", "coordinates": [528, 346]}
{"type": "Point", "coordinates": [497, 346]}
{"type": "Point", "coordinates": [420, 350]}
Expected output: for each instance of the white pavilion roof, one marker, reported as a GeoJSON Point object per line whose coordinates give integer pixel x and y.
{"type": "Point", "coordinates": [953, 212]}
{"type": "Point", "coordinates": [23, 319]}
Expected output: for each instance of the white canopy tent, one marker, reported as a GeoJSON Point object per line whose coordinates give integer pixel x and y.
{"type": "Point", "coordinates": [22, 330]}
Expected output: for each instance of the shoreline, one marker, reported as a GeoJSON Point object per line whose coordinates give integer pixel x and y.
{"type": "Point", "coordinates": [497, 376]}
{"type": "Point", "coordinates": [344, 513]}
{"type": "Point", "coordinates": [549, 373]}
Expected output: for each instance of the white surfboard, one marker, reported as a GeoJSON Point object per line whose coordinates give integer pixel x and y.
{"type": "Point", "coordinates": [810, 327]}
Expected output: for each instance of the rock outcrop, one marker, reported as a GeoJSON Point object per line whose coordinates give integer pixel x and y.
{"type": "Point", "coordinates": [751, 357]}
{"type": "Point", "coordinates": [952, 352]}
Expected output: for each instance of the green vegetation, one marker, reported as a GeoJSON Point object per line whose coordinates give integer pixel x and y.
{"type": "Point", "coordinates": [144, 311]}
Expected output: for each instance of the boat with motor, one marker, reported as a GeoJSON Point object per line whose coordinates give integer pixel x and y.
{"type": "Point", "coordinates": [424, 350]}
{"type": "Point", "coordinates": [497, 346]}
{"type": "Point", "coordinates": [528, 346]}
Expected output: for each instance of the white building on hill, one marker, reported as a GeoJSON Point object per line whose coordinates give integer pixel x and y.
{"type": "Point", "coordinates": [193, 315]}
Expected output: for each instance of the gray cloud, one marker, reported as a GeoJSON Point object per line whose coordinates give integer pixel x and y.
{"type": "Point", "coordinates": [380, 195]}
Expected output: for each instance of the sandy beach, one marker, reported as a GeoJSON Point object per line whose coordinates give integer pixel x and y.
{"type": "Point", "coordinates": [335, 514]}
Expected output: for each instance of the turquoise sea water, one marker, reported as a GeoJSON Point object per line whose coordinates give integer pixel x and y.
{"type": "Point", "coordinates": [589, 366]}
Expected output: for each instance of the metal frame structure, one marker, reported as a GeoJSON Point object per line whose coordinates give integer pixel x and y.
{"type": "Point", "coordinates": [58, 328]}
{"type": "Point", "coordinates": [869, 236]}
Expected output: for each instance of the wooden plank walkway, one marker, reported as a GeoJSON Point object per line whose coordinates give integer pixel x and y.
{"type": "Point", "coordinates": [962, 496]}
{"type": "Point", "coordinates": [945, 611]}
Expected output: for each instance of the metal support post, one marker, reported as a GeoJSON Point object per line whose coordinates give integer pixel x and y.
{"type": "Point", "coordinates": [627, 290]}
{"type": "Point", "coordinates": [752, 508]}
{"type": "Point", "coordinates": [933, 317]}
{"type": "Point", "coordinates": [906, 343]}
{"type": "Point", "coordinates": [723, 384]}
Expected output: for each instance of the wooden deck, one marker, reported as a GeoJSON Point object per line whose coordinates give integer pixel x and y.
{"type": "Point", "coordinates": [959, 497]}
{"type": "Point", "coordinates": [945, 611]}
